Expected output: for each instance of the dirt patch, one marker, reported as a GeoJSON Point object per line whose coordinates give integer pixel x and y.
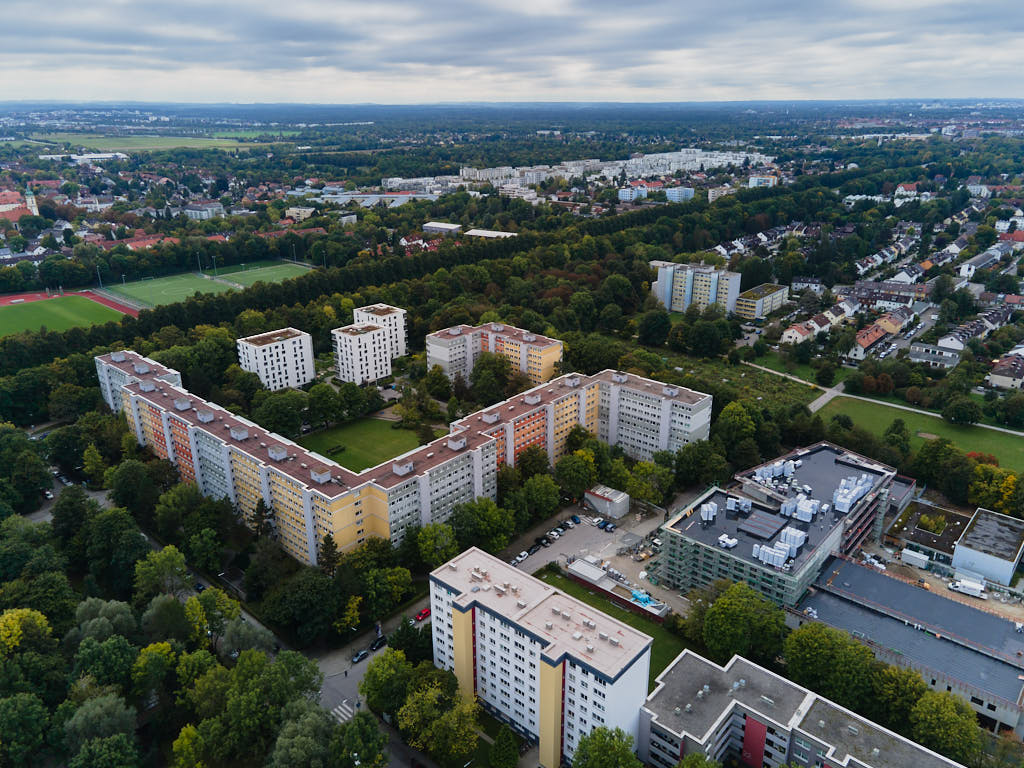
{"type": "Point", "coordinates": [927, 436]}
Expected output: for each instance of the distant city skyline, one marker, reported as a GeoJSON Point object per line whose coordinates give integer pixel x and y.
{"type": "Point", "coordinates": [398, 52]}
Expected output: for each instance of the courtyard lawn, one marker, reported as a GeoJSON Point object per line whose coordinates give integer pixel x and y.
{"type": "Point", "coordinates": [281, 270]}
{"type": "Point", "coordinates": [57, 314]}
{"type": "Point", "coordinates": [168, 290]}
{"type": "Point", "coordinates": [876, 417]}
{"type": "Point", "coordinates": [666, 645]}
{"type": "Point", "coordinates": [367, 442]}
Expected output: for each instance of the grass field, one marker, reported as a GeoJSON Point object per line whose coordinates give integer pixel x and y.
{"type": "Point", "coordinates": [251, 134]}
{"type": "Point", "coordinates": [752, 383]}
{"type": "Point", "coordinates": [273, 274]}
{"type": "Point", "coordinates": [875, 417]}
{"type": "Point", "coordinates": [101, 143]}
{"type": "Point", "coordinates": [56, 314]}
{"type": "Point", "coordinates": [368, 442]}
{"type": "Point", "coordinates": [168, 290]}
{"type": "Point", "coordinates": [229, 270]}
{"type": "Point", "coordinates": [666, 645]}
{"type": "Point", "coordinates": [802, 371]}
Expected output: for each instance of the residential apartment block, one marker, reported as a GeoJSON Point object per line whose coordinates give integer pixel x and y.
{"type": "Point", "coordinates": [747, 713]}
{"type": "Point", "coordinates": [456, 350]}
{"type": "Point", "coordinates": [777, 528]}
{"type": "Point", "coordinates": [364, 350]}
{"type": "Point", "coordinates": [761, 301]}
{"type": "Point", "coordinates": [552, 667]}
{"type": "Point", "coordinates": [679, 285]}
{"type": "Point", "coordinates": [309, 495]}
{"type": "Point", "coordinates": [282, 358]}
{"type": "Point", "coordinates": [679, 194]}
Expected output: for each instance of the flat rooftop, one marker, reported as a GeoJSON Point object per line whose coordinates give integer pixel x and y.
{"type": "Point", "coordinates": [381, 310]}
{"type": "Point", "coordinates": [760, 291]}
{"type": "Point", "coordinates": [495, 329]}
{"type": "Point", "coordinates": [131, 359]}
{"type": "Point", "coordinates": [762, 526]}
{"type": "Point", "coordinates": [994, 534]}
{"type": "Point", "coordinates": [905, 527]}
{"type": "Point", "coordinates": [678, 685]}
{"type": "Point", "coordinates": [648, 386]}
{"type": "Point", "coordinates": [357, 329]}
{"type": "Point", "coordinates": [272, 337]}
{"type": "Point", "coordinates": [541, 610]}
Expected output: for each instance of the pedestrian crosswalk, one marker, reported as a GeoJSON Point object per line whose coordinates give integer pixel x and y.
{"type": "Point", "coordinates": [343, 712]}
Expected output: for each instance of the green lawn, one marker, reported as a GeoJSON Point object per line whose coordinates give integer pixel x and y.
{"type": "Point", "coordinates": [168, 290]}
{"type": "Point", "coordinates": [57, 314]}
{"type": "Point", "coordinates": [666, 646]}
{"type": "Point", "coordinates": [230, 270]}
{"type": "Point", "coordinates": [368, 442]}
{"type": "Point", "coordinates": [274, 274]}
{"type": "Point", "coordinates": [752, 383]}
{"type": "Point", "coordinates": [801, 370]}
{"type": "Point", "coordinates": [251, 133]}
{"type": "Point", "coordinates": [875, 417]}
{"type": "Point", "coordinates": [102, 143]}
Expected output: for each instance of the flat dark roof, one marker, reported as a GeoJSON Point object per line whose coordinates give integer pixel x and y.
{"type": "Point", "coordinates": [994, 534]}
{"type": "Point", "coordinates": [905, 527]}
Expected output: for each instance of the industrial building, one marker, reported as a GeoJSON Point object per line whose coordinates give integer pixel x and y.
{"type": "Point", "coordinates": [607, 502]}
{"type": "Point", "coordinates": [456, 350]}
{"type": "Point", "coordinates": [777, 527]}
{"type": "Point", "coordinates": [990, 547]}
{"type": "Point", "coordinates": [552, 667]}
{"type": "Point", "coordinates": [282, 358]}
{"type": "Point", "coordinates": [972, 653]}
{"type": "Point", "coordinates": [761, 301]}
{"type": "Point", "coordinates": [309, 495]}
{"type": "Point", "coordinates": [677, 286]}
{"type": "Point", "coordinates": [746, 713]}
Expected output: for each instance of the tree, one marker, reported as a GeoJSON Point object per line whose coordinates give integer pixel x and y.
{"type": "Point", "coordinates": [575, 474]}
{"type": "Point", "coordinates": [385, 683]}
{"type": "Point", "coordinates": [705, 339]}
{"type": "Point", "coordinates": [109, 662]}
{"type": "Point", "coordinates": [962, 410]}
{"type": "Point", "coordinates": [447, 732]}
{"type": "Point", "coordinates": [415, 642]}
{"type": "Point", "coordinates": [896, 692]}
{"type": "Point", "coordinates": [349, 618]}
{"type": "Point", "coordinates": [481, 523]}
{"type": "Point", "coordinates": [734, 424]}
{"type": "Point", "coordinates": [437, 384]}
{"type": "Point", "coordinates": [542, 496]}
{"type": "Point", "coordinates": [898, 436]}
{"type": "Point", "coordinates": [946, 723]}
{"type": "Point", "coordinates": [304, 738]}
{"type": "Point", "coordinates": [504, 752]}
{"type": "Point", "coordinates": [204, 550]}
{"type": "Point", "coordinates": [208, 613]}
{"type": "Point", "coordinates": [98, 718]}
{"type": "Point", "coordinates": [29, 477]}
{"type": "Point", "coordinates": [697, 463]}
{"type": "Point", "coordinates": [384, 589]}
{"type": "Point", "coordinates": [306, 604]}
{"type": "Point", "coordinates": [328, 557]}
{"type": "Point", "coordinates": [70, 512]}
{"type": "Point", "coordinates": [241, 635]}
{"type": "Point", "coordinates": [117, 751]}
{"type": "Point", "coordinates": [532, 460]}
{"type": "Point", "coordinates": [282, 412]}
{"type": "Point", "coordinates": [360, 736]}
{"type": "Point", "coordinates": [826, 375]}
{"type": "Point", "coordinates": [323, 404]}
{"type": "Point", "coordinates": [653, 327]}
{"type": "Point", "coordinates": [698, 760]}
{"type": "Point", "coordinates": [131, 487]}
{"type": "Point", "coordinates": [605, 748]}
{"type": "Point", "coordinates": [165, 619]}
{"type": "Point", "coordinates": [23, 721]}
{"type": "Point", "coordinates": [161, 572]}
{"type": "Point", "coordinates": [830, 662]}
{"type": "Point", "coordinates": [743, 622]}
{"type": "Point", "coordinates": [152, 666]}
{"type": "Point", "coordinates": [94, 465]}
{"type": "Point", "coordinates": [649, 482]}
{"type": "Point", "coordinates": [437, 544]}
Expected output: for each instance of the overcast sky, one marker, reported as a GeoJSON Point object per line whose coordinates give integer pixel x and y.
{"type": "Point", "coordinates": [417, 51]}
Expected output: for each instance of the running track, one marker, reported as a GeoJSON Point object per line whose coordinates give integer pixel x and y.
{"type": "Point", "coordinates": [25, 298]}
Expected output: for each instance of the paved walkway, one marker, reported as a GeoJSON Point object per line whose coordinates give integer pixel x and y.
{"type": "Point", "coordinates": [826, 398]}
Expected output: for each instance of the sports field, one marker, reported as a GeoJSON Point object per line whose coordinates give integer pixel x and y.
{"type": "Point", "coordinates": [168, 290]}
{"type": "Point", "coordinates": [57, 314]}
{"type": "Point", "coordinates": [367, 442]}
{"type": "Point", "coordinates": [270, 274]}
{"type": "Point", "coordinates": [876, 417]}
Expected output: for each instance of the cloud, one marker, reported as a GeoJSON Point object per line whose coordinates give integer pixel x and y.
{"type": "Point", "coordinates": [409, 51]}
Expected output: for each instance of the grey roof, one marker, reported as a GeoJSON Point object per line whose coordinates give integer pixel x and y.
{"type": "Point", "coordinates": [994, 534]}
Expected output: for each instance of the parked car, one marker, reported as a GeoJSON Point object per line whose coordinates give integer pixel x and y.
{"type": "Point", "coordinates": [200, 587]}
{"type": "Point", "coordinates": [423, 614]}
{"type": "Point", "coordinates": [533, 550]}
{"type": "Point", "coordinates": [602, 524]}
{"type": "Point", "coordinates": [378, 643]}
{"type": "Point", "coordinates": [575, 519]}
{"type": "Point", "coordinates": [610, 527]}
{"type": "Point", "coordinates": [598, 521]}
{"type": "Point", "coordinates": [522, 556]}
{"type": "Point", "coordinates": [360, 655]}
{"type": "Point", "coordinates": [48, 493]}
{"type": "Point", "coordinates": [569, 524]}
{"type": "Point", "coordinates": [552, 534]}
{"type": "Point", "coordinates": [560, 531]}
{"type": "Point", "coordinates": [544, 541]}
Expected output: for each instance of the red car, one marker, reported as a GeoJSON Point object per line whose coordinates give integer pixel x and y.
{"type": "Point", "coordinates": [423, 614]}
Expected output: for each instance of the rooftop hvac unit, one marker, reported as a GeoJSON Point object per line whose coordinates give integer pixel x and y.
{"type": "Point", "coordinates": [590, 648]}
{"type": "Point", "coordinates": [521, 603]}
{"type": "Point", "coordinates": [789, 468]}
{"type": "Point", "coordinates": [613, 641]}
{"type": "Point", "coordinates": [565, 615]}
{"type": "Point", "coordinates": [689, 708]}
{"type": "Point", "coordinates": [603, 635]}
{"type": "Point", "coordinates": [577, 635]}
{"type": "Point", "coordinates": [730, 504]}
{"type": "Point", "coordinates": [548, 625]}
{"type": "Point", "coordinates": [555, 611]}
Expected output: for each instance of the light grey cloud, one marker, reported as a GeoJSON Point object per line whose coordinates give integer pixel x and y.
{"type": "Point", "coordinates": [400, 51]}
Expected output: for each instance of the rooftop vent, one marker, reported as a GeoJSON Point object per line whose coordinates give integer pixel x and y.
{"type": "Point", "coordinates": [689, 708]}
{"type": "Point", "coordinates": [141, 368]}
{"type": "Point", "coordinates": [577, 635]}
{"type": "Point", "coordinates": [205, 416]}
{"type": "Point", "coordinates": [613, 641]}
{"type": "Point", "coordinates": [490, 418]}
{"type": "Point", "coordinates": [768, 700]}
{"type": "Point", "coordinates": [182, 404]}
{"type": "Point", "coordinates": [320, 475]}
{"type": "Point", "coordinates": [147, 386]}
{"type": "Point", "coordinates": [529, 337]}
{"type": "Point", "coordinates": [555, 611]}
{"type": "Point", "coordinates": [456, 443]}
{"type": "Point", "coordinates": [239, 433]}
{"type": "Point", "coordinates": [603, 635]}
{"type": "Point", "coordinates": [590, 648]}
{"type": "Point", "coordinates": [531, 399]}
{"type": "Point", "coordinates": [118, 357]}
{"type": "Point", "coordinates": [566, 615]}
{"type": "Point", "coordinates": [277, 452]}
{"type": "Point", "coordinates": [453, 566]}
{"type": "Point", "coordinates": [619, 378]}
{"type": "Point", "coordinates": [853, 729]}
{"type": "Point", "coordinates": [670, 391]}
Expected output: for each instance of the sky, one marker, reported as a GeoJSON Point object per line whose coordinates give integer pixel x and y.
{"type": "Point", "coordinates": [427, 51]}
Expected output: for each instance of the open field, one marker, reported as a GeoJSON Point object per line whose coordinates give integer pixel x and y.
{"type": "Point", "coordinates": [57, 314]}
{"type": "Point", "coordinates": [251, 133]}
{"type": "Point", "coordinates": [666, 645]}
{"type": "Point", "coordinates": [876, 417]}
{"type": "Point", "coordinates": [367, 442]}
{"type": "Point", "coordinates": [102, 143]}
{"type": "Point", "coordinates": [752, 383]}
{"type": "Point", "coordinates": [168, 290]}
{"type": "Point", "coordinates": [232, 268]}
{"type": "Point", "coordinates": [273, 274]}
{"type": "Point", "coordinates": [802, 371]}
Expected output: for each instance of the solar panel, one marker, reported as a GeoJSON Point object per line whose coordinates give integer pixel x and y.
{"type": "Point", "coordinates": [761, 525]}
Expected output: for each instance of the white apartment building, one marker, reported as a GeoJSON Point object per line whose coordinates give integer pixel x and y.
{"type": "Point", "coordinates": [456, 350]}
{"type": "Point", "coordinates": [390, 318]}
{"type": "Point", "coordinates": [677, 286]}
{"type": "Point", "coordinates": [679, 194]}
{"type": "Point", "coordinates": [550, 666]}
{"type": "Point", "coordinates": [281, 358]}
{"type": "Point", "coordinates": [362, 352]}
